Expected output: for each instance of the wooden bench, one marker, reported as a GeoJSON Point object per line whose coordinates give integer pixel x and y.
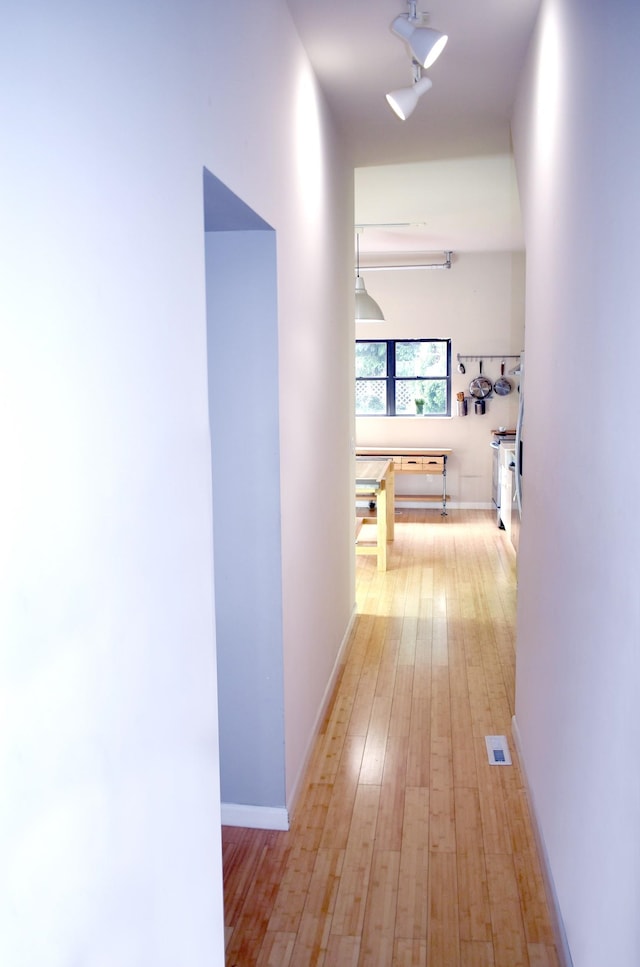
{"type": "Point", "coordinates": [374, 480]}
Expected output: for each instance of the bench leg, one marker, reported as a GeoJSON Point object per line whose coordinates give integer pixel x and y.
{"type": "Point", "coordinates": [382, 528]}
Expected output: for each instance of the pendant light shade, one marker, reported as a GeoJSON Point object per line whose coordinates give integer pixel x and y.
{"type": "Point", "coordinates": [425, 43]}
{"type": "Point", "coordinates": [367, 309]}
{"type": "Point", "coordinates": [404, 100]}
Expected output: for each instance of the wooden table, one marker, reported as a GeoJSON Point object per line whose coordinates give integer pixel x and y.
{"type": "Point", "coordinates": [414, 460]}
{"type": "Point", "coordinates": [375, 479]}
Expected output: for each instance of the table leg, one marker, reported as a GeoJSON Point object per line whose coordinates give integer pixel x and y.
{"type": "Point", "coordinates": [382, 519]}
{"type": "Point", "coordinates": [443, 512]}
{"type": "Point", "coordinates": [390, 482]}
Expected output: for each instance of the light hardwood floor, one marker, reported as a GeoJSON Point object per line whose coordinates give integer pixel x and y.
{"type": "Point", "coordinates": [407, 849]}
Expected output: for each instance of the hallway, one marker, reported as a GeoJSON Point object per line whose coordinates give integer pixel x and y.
{"type": "Point", "coordinates": [407, 848]}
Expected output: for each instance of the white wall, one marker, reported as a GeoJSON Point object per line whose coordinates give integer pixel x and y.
{"type": "Point", "coordinates": [109, 818]}
{"type": "Point", "coordinates": [479, 305]}
{"type": "Point", "coordinates": [577, 140]}
{"type": "Point", "coordinates": [287, 164]}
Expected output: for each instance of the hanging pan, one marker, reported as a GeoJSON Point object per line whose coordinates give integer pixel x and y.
{"type": "Point", "coordinates": [480, 387]}
{"type": "Point", "coordinates": [502, 385]}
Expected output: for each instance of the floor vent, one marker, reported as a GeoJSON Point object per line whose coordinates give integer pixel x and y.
{"type": "Point", "coordinates": [498, 750]}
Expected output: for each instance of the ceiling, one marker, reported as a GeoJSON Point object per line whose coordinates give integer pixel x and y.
{"type": "Point", "coordinates": [444, 177]}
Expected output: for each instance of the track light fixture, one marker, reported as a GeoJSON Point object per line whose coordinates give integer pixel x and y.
{"type": "Point", "coordinates": [425, 44]}
{"type": "Point", "coordinates": [367, 309]}
{"type": "Point", "coordinates": [404, 100]}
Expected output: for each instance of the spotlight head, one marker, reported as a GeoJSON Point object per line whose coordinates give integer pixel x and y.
{"type": "Point", "coordinates": [404, 100]}
{"type": "Point", "coordinates": [425, 43]}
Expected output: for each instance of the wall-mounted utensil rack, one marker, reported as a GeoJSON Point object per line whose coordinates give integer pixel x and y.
{"type": "Point", "coordinates": [480, 356]}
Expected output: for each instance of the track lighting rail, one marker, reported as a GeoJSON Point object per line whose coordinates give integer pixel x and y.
{"type": "Point", "coordinates": [409, 265]}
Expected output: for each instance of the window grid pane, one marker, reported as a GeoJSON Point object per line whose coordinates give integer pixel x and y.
{"type": "Point", "coordinates": [371, 397]}
{"type": "Point", "coordinates": [433, 393]}
{"type": "Point", "coordinates": [427, 358]}
{"type": "Point", "coordinates": [371, 359]}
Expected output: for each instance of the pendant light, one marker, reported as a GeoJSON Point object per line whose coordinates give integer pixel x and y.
{"type": "Point", "coordinates": [367, 309]}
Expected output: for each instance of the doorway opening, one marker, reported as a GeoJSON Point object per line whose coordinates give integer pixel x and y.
{"type": "Point", "coordinates": [242, 359]}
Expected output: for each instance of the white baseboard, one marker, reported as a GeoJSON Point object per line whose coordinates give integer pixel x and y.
{"type": "Point", "coordinates": [451, 505]}
{"type": "Point", "coordinates": [437, 505]}
{"type": "Point", "coordinates": [471, 504]}
{"type": "Point", "coordinates": [326, 698]}
{"type": "Point", "coordinates": [254, 817]}
{"type": "Point", "coordinates": [560, 936]}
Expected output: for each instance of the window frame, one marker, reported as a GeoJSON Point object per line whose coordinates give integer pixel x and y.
{"type": "Point", "coordinates": [391, 379]}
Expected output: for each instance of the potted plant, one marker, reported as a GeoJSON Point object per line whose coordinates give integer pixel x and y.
{"type": "Point", "coordinates": [419, 401]}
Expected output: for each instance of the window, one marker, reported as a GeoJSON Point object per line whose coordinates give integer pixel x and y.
{"type": "Point", "coordinates": [408, 377]}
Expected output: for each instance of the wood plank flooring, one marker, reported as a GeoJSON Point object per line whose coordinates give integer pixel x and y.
{"type": "Point", "coordinates": [407, 849]}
